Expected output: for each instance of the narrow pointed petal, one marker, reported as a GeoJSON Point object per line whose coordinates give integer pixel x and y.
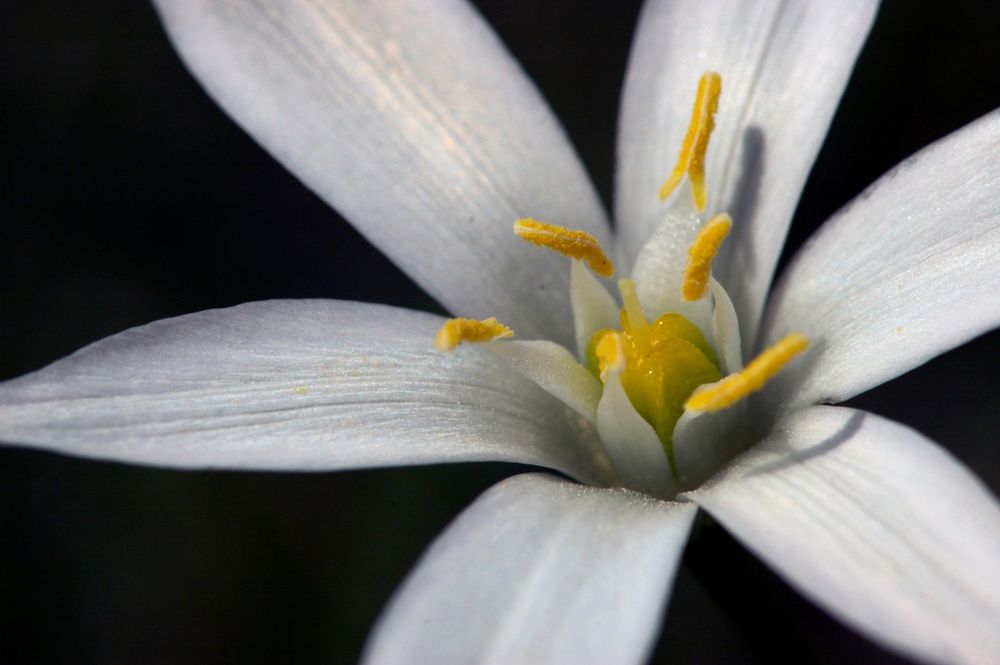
{"type": "Point", "coordinates": [659, 267]}
{"type": "Point", "coordinates": [726, 330]}
{"type": "Point", "coordinates": [659, 274]}
{"type": "Point", "coordinates": [541, 571]}
{"type": "Point", "coordinates": [876, 524]}
{"type": "Point", "coordinates": [631, 443]}
{"type": "Point", "coordinates": [907, 271]}
{"type": "Point", "coordinates": [703, 442]}
{"type": "Point", "coordinates": [306, 385]}
{"type": "Point", "coordinates": [412, 120]}
{"type": "Point", "coordinates": [555, 370]}
{"type": "Point", "coordinates": [784, 66]}
{"type": "Point", "coordinates": [593, 307]}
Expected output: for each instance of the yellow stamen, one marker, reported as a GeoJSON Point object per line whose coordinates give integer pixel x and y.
{"type": "Point", "coordinates": [700, 254]}
{"type": "Point", "coordinates": [456, 331]}
{"type": "Point", "coordinates": [637, 326]}
{"type": "Point", "coordinates": [574, 244]}
{"type": "Point", "coordinates": [753, 377]}
{"type": "Point", "coordinates": [593, 362]}
{"type": "Point", "coordinates": [691, 159]}
{"type": "Point", "coordinates": [610, 352]}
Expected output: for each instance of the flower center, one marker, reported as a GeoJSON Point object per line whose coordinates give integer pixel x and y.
{"type": "Point", "coordinates": [660, 365]}
{"type": "Point", "coordinates": [651, 373]}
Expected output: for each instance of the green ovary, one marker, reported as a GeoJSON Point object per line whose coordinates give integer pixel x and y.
{"type": "Point", "coordinates": [659, 380]}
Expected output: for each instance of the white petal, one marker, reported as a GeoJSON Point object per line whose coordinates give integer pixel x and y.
{"type": "Point", "coordinates": [784, 66]}
{"type": "Point", "coordinates": [593, 307]}
{"type": "Point", "coordinates": [907, 271]}
{"type": "Point", "coordinates": [659, 281]}
{"type": "Point", "coordinates": [539, 570]}
{"type": "Point", "coordinates": [876, 524]}
{"type": "Point", "coordinates": [631, 443]}
{"type": "Point", "coordinates": [725, 330]}
{"type": "Point", "coordinates": [555, 370]}
{"type": "Point", "coordinates": [659, 268]}
{"type": "Point", "coordinates": [703, 442]}
{"type": "Point", "coordinates": [412, 120]}
{"type": "Point", "coordinates": [307, 384]}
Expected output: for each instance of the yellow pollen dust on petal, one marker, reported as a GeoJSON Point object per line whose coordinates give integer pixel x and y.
{"type": "Point", "coordinates": [691, 160]}
{"type": "Point", "coordinates": [700, 254]}
{"type": "Point", "coordinates": [610, 352]}
{"type": "Point", "coordinates": [568, 242]}
{"type": "Point", "coordinates": [456, 331]}
{"type": "Point", "coordinates": [737, 386]}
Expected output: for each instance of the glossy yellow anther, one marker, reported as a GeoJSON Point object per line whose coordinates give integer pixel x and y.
{"type": "Point", "coordinates": [735, 387]}
{"type": "Point", "coordinates": [700, 254]}
{"type": "Point", "coordinates": [456, 331]}
{"type": "Point", "coordinates": [691, 160]}
{"type": "Point", "coordinates": [574, 244]}
{"type": "Point", "coordinates": [610, 352]}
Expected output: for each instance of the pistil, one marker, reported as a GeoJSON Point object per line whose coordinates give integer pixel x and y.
{"type": "Point", "coordinates": [635, 323]}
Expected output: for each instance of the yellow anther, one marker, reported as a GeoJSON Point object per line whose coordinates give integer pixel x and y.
{"type": "Point", "coordinates": [456, 331]}
{"type": "Point", "coordinates": [610, 352]}
{"type": "Point", "coordinates": [753, 377]}
{"type": "Point", "coordinates": [691, 159]}
{"type": "Point", "coordinates": [700, 254]}
{"type": "Point", "coordinates": [574, 244]}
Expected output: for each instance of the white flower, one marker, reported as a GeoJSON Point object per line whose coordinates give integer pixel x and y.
{"type": "Point", "coordinates": [417, 126]}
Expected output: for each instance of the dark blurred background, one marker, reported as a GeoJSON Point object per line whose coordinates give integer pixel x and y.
{"type": "Point", "coordinates": [127, 196]}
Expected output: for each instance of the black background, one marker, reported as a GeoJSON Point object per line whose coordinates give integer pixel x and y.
{"type": "Point", "coordinates": [127, 196]}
